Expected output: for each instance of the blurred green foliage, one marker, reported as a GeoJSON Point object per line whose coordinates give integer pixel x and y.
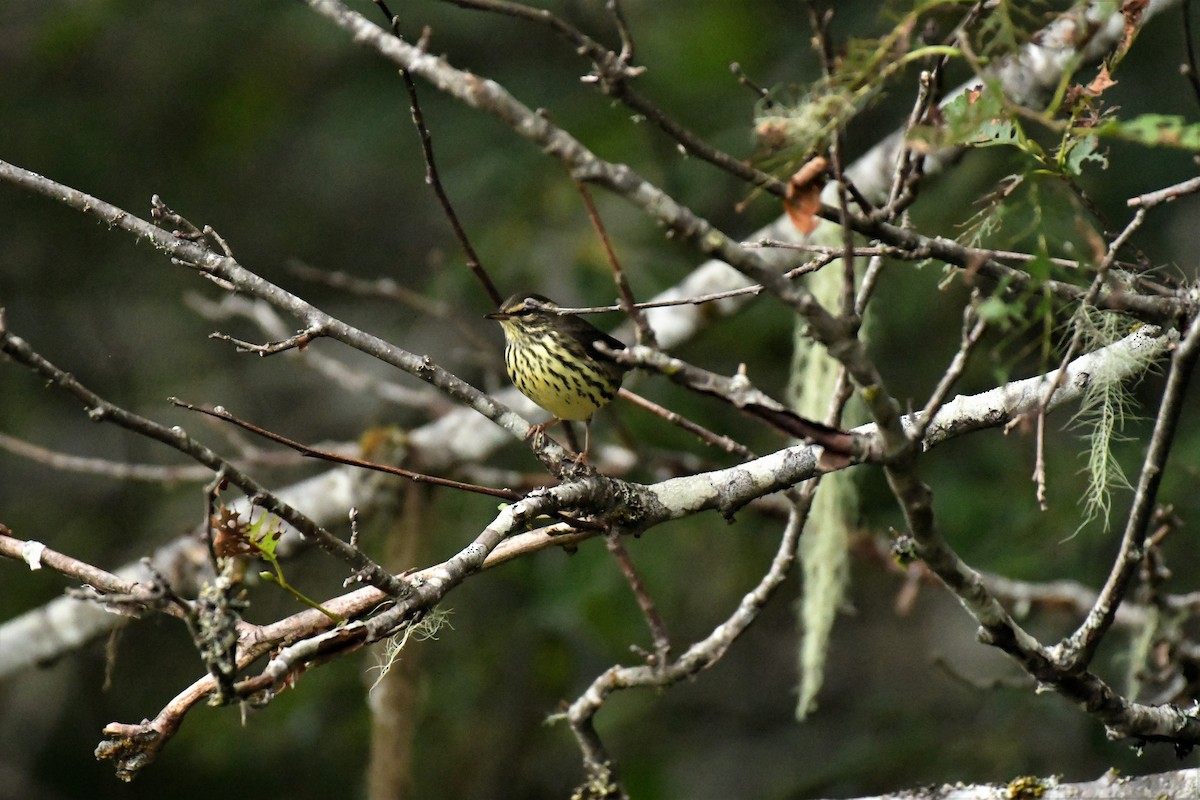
{"type": "Point", "coordinates": [267, 123]}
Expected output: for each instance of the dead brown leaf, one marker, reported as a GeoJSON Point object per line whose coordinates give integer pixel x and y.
{"type": "Point", "coordinates": [1099, 83]}
{"type": "Point", "coordinates": [803, 198]}
{"type": "Point", "coordinates": [1132, 11]}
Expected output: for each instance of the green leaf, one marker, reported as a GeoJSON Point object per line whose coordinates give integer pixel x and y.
{"type": "Point", "coordinates": [995, 311]}
{"type": "Point", "coordinates": [264, 535]}
{"type": "Point", "coordinates": [1077, 152]}
{"type": "Point", "coordinates": [1153, 130]}
{"type": "Point", "coordinates": [1040, 267]}
{"type": "Point", "coordinates": [976, 118]}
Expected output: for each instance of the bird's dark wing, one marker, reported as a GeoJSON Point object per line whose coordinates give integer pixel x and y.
{"type": "Point", "coordinates": [589, 334]}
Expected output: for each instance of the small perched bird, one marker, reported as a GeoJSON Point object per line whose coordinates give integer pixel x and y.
{"type": "Point", "coordinates": [552, 358]}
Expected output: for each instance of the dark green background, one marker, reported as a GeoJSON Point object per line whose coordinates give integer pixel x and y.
{"type": "Point", "coordinates": [264, 121]}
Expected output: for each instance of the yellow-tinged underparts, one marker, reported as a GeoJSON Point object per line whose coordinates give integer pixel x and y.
{"type": "Point", "coordinates": [555, 374]}
{"type": "Point", "coordinates": [556, 361]}
{"type": "Point", "coordinates": [552, 358]}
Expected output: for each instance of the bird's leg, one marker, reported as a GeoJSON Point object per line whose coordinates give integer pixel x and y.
{"type": "Point", "coordinates": [582, 456]}
{"type": "Point", "coordinates": [537, 432]}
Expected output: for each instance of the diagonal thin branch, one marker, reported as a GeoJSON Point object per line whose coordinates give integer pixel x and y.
{"type": "Point", "coordinates": [1077, 650]}
{"type": "Point", "coordinates": [226, 270]}
{"type": "Point", "coordinates": [101, 410]}
{"type": "Point", "coordinates": [26, 640]}
{"type": "Point", "coordinates": [698, 657]}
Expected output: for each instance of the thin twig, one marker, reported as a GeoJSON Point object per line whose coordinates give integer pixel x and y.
{"type": "Point", "coordinates": [220, 413]}
{"type": "Point", "coordinates": [130, 597]}
{"type": "Point", "coordinates": [432, 176]}
{"type": "Point", "coordinates": [745, 80]}
{"type": "Point", "coordinates": [866, 287]}
{"type": "Point", "coordinates": [295, 342]}
{"type": "Point", "coordinates": [905, 254]}
{"type": "Point", "coordinates": [654, 620]}
{"type": "Point", "coordinates": [351, 379]}
{"type": "Point", "coordinates": [910, 162]}
{"type": "Point", "coordinates": [628, 49]}
{"type": "Point", "coordinates": [820, 21]}
{"type": "Point", "coordinates": [645, 334]}
{"type": "Point", "coordinates": [101, 410]}
{"type": "Point", "coordinates": [1076, 651]}
{"type": "Point", "coordinates": [742, 395]}
{"type": "Point", "coordinates": [972, 331]}
{"type": "Point", "coordinates": [1191, 69]}
{"type": "Point", "coordinates": [1151, 199]}
{"type": "Point", "coordinates": [1039, 460]}
{"type": "Point", "coordinates": [389, 289]}
{"type": "Point", "coordinates": [1086, 303]}
{"type": "Point", "coordinates": [675, 418]}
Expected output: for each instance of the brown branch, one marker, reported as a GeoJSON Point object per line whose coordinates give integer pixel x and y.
{"type": "Point", "coordinates": [741, 394]}
{"type": "Point", "coordinates": [219, 412]}
{"type": "Point", "coordinates": [432, 176]}
{"type": "Point", "coordinates": [654, 620]}
{"type": "Point", "coordinates": [101, 410]}
{"type": "Point", "coordinates": [697, 658]}
{"type": "Point", "coordinates": [702, 433]}
{"type": "Point", "coordinates": [115, 593]}
{"type": "Point", "coordinates": [901, 254]}
{"type": "Point", "coordinates": [325, 455]}
{"type": "Point", "coordinates": [645, 334]}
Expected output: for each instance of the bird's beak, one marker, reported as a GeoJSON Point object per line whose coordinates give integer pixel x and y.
{"type": "Point", "coordinates": [499, 316]}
